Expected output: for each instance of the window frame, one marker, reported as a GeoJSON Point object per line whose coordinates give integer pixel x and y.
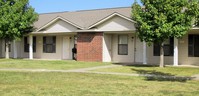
{"type": "Point", "coordinates": [119, 36]}
{"type": "Point", "coordinates": [53, 44]}
{"type": "Point", "coordinates": [193, 45]}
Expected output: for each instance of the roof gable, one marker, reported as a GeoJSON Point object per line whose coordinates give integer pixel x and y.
{"type": "Point", "coordinates": [55, 20]}
{"type": "Point", "coordinates": [116, 23]}
{"type": "Point", "coordinates": [109, 17]}
{"type": "Point", "coordinates": [60, 26]}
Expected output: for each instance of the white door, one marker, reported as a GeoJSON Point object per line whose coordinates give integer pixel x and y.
{"type": "Point", "coordinates": [66, 47]}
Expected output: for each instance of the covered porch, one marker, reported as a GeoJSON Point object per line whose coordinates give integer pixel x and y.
{"type": "Point", "coordinates": [183, 51]}
{"type": "Point", "coordinates": [49, 46]}
{"type": "Point", "coordinates": [54, 40]}
{"type": "Point", "coordinates": [123, 47]}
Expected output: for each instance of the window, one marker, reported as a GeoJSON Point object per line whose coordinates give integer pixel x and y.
{"type": "Point", "coordinates": [168, 48]}
{"type": "Point", "coordinates": [193, 46]}
{"type": "Point", "coordinates": [26, 44]}
{"type": "Point", "coordinates": [123, 45]}
{"type": "Point", "coordinates": [49, 44]}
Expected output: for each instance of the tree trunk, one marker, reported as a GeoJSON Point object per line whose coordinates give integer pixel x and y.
{"type": "Point", "coordinates": [162, 55]}
{"type": "Point", "coordinates": [7, 49]}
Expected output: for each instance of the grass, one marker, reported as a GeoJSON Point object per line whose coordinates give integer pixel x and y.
{"type": "Point", "coordinates": [80, 84]}
{"type": "Point", "coordinates": [47, 64]}
{"type": "Point", "coordinates": [69, 64]}
{"type": "Point", "coordinates": [172, 71]}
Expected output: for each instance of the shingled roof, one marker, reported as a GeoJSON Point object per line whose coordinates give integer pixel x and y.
{"type": "Point", "coordinates": [84, 18]}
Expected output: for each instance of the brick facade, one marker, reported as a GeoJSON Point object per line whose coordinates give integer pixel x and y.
{"type": "Point", "coordinates": [89, 46]}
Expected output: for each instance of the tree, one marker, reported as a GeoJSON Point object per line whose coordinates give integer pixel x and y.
{"type": "Point", "coordinates": [16, 19]}
{"type": "Point", "coordinates": [197, 19]}
{"type": "Point", "coordinates": [159, 20]}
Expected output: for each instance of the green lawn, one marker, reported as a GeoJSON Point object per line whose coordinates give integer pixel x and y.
{"type": "Point", "coordinates": [69, 64]}
{"type": "Point", "coordinates": [81, 84]}
{"type": "Point", "coordinates": [169, 71]}
{"type": "Point", "coordinates": [47, 64]}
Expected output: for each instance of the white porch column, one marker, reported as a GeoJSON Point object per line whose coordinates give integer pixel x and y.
{"type": "Point", "coordinates": [30, 47]}
{"type": "Point", "coordinates": [15, 49]}
{"type": "Point", "coordinates": [175, 57]}
{"type": "Point", "coordinates": [144, 53]}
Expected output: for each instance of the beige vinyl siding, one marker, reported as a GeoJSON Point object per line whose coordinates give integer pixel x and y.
{"type": "Point", "coordinates": [60, 26]}
{"type": "Point", "coordinates": [184, 59]}
{"type": "Point", "coordinates": [116, 23]}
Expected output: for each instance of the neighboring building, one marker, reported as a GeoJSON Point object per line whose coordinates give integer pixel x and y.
{"type": "Point", "coordinates": [104, 35]}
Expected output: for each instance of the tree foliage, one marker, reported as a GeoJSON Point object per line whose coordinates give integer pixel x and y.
{"type": "Point", "coordinates": [159, 20]}
{"type": "Point", "coordinates": [16, 19]}
{"type": "Point", "coordinates": [197, 18]}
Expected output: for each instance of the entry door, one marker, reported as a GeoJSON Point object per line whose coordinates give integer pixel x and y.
{"type": "Point", "coordinates": [66, 47]}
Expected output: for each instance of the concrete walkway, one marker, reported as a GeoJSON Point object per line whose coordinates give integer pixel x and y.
{"type": "Point", "coordinates": [89, 70]}
{"type": "Point", "coordinates": [85, 70]}
{"type": "Point", "coordinates": [93, 68]}
{"type": "Point", "coordinates": [196, 77]}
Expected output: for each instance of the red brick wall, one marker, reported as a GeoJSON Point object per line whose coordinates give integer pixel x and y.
{"type": "Point", "coordinates": [89, 46]}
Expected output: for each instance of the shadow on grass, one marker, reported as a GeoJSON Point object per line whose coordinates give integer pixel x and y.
{"type": "Point", "coordinates": [153, 75]}
{"type": "Point", "coordinates": [141, 65]}
{"type": "Point", "coordinates": [136, 65]}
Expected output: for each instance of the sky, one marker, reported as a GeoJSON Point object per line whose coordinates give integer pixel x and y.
{"type": "Point", "coordinates": [47, 6]}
